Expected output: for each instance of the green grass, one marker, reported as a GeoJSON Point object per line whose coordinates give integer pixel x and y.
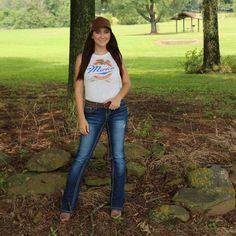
{"type": "Point", "coordinates": [40, 56]}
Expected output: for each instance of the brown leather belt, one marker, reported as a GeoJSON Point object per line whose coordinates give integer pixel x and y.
{"type": "Point", "coordinates": [97, 104]}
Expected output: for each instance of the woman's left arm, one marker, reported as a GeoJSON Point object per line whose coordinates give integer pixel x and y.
{"type": "Point", "coordinates": [126, 85]}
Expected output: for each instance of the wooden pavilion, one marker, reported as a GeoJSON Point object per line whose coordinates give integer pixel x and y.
{"type": "Point", "coordinates": [183, 15]}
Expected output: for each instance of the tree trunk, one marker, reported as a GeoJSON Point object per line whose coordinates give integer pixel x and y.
{"type": "Point", "coordinates": [211, 36]}
{"type": "Point", "coordinates": [152, 14]}
{"type": "Point", "coordinates": [153, 27]}
{"type": "Point", "coordinates": [81, 14]}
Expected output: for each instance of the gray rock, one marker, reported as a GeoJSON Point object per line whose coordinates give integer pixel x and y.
{"type": "Point", "coordinates": [31, 183]}
{"type": "Point", "coordinates": [158, 150]}
{"type": "Point", "coordinates": [175, 182]}
{"type": "Point", "coordinates": [190, 166]}
{"type": "Point", "coordinates": [97, 164]}
{"type": "Point", "coordinates": [95, 181]}
{"type": "Point", "coordinates": [233, 169]}
{"type": "Point", "coordinates": [72, 147]}
{"type": "Point", "coordinates": [99, 152]}
{"type": "Point", "coordinates": [136, 152]}
{"type": "Point", "coordinates": [233, 174]}
{"type": "Point", "coordinates": [210, 191]}
{"type": "Point", "coordinates": [135, 169]}
{"type": "Point", "coordinates": [216, 201]}
{"type": "Point", "coordinates": [4, 159]}
{"type": "Point", "coordinates": [48, 160]}
{"type": "Point", "coordinates": [169, 212]}
{"type": "Point", "coordinates": [233, 177]}
{"type": "Point", "coordinates": [222, 208]}
{"type": "Point", "coordinates": [209, 178]}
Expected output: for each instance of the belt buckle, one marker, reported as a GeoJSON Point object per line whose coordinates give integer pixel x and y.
{"type": "Point", "coordinates": [106, 105]}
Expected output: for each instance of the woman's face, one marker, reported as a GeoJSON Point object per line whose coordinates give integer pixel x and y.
{"type": "Point", "coordinates": [101, 36]}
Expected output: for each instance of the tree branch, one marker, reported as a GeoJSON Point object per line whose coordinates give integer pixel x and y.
{"type": "Point", "coordinates": [143, 15]}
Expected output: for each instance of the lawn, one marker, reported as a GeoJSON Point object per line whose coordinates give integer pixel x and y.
{"type": "Point", "coordinates": [41, 56]}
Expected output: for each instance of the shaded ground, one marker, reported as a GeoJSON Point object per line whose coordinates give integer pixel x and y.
{"type": "Point", "coordinates": [35, 118]}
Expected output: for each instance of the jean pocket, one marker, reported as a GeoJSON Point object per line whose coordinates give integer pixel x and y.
{"type": "Point", "coordinates": [89, 109]}
{"type": "Point", "coordinates": [123, 104]}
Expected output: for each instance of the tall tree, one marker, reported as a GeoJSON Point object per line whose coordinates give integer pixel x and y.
{"type": "Point", "coordinates": [211, 57]}
{"type": "Point", "coordinates": [226, 5]}
{"type": "Point", "coordinates": [81, 14]}
{"type": "Point", "coordinates": [152, 18]}
{"type": "Point", "coordinates": [193, 5]}
{"type": "Point", "coordinates": [154, 10]}
{"type": "Point", "coordinates": [123, 10]}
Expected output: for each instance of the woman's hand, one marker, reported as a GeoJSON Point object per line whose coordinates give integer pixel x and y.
{"type": "Point", "coordinates": [115, 103]}
{"type": "Point", "coordinates": [83, 126]}
{"type": "Point", "coordinates": [126, 84]}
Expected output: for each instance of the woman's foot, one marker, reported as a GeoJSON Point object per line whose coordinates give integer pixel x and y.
{"type": "Point", "coordinates": [64, 217]}
{"type": "Point", "coordinates": [116, 214]}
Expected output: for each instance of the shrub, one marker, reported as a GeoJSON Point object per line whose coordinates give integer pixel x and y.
{"type": "Point", "coordinates": [7, 18]}
{"type": "Point", "coordinates": [194, 60]}
{"type": "Point", "coordinates": [229, 62]}
{"type": "Point", "coordinates": [144, 127]}
{"type": "Point", "coordinates": [32, 14]}
{"type": "Point", "coordinates": [128, 17]}
{"type": "Point", "coordinates": [32, 19]}
{"type": "Point", "coordinates": [1, 15]}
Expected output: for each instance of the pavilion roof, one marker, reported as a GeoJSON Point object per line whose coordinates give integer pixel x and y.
{"type": "Point", "coordinates": [185, 14]}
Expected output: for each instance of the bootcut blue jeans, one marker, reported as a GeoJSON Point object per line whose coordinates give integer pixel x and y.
{"type": "Point", "coordinates": [115, 122]}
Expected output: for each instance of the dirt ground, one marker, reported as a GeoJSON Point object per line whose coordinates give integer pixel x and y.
{"type": "Point", "coordinates": [178, 41]}
{"type": "Point", "coordinates": [35, 118]}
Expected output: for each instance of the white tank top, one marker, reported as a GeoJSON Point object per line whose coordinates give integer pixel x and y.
{"type": "Point", "coordinates": [102, 80]}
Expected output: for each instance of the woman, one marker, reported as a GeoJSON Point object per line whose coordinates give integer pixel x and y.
{"type": "Point", "coordinates": [102, 78]}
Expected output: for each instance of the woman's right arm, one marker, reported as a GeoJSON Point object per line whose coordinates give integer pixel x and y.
{"type": "Point", "coordinates": [79, 97]}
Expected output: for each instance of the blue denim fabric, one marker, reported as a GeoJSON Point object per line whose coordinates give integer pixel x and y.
{"type": "Point", "coordinates": [115, 122]}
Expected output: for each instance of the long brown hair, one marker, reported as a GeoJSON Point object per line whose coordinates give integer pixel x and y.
{"type": "Point", "coordinates": [89, 48]}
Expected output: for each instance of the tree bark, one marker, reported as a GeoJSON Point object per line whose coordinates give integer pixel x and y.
{"type": "Point", "coordinates": [153, 21]}
{"type": "Point", "coordinates": [153, 27]}
{"type": "Point", "coordinates": [152, 15]}
{"type": "Point", "coordinates": [81, 14]}
{"type": "Point", "coordinates": [211, 46]}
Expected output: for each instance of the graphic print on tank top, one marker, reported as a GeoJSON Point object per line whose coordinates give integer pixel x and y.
{"type": "Point", "coordinates": [102, 80]}
{"type": "Point", "coordinates": [101, 70]}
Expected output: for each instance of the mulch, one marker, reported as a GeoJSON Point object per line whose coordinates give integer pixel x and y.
{"type": "Point", "coordinates": [36, 119]}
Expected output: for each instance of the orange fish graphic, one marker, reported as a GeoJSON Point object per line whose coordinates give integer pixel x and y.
{"type": "Point", "coordinates": [102, 62]}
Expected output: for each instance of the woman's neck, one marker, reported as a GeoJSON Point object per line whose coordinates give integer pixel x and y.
{"type": "Point", "coordinates": [100, 50]}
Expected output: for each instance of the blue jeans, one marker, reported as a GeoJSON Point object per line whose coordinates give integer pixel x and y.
{"type": "Point", "coordinates": [115, 122]}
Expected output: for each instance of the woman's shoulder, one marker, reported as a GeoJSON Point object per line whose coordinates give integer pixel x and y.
{"type": "Point", "coordinates": [79, 57]}
{"type": "Point", "coordinates": [78, 60]}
